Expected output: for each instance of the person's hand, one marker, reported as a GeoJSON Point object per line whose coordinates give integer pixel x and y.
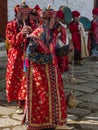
{"type": "Point", "coordinates": [26, 30]}
{"type": "Point", "coordinates": [29, 29]}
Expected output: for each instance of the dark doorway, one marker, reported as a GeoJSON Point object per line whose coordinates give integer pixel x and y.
{"type": "Point", "coordinates": [3, 17]}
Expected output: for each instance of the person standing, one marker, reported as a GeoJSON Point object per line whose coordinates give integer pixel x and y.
{"type": "Point", "coordinates": [46, 101]}
{"type": "Point", "coordinates": [61, 32]}
{"type": "Point", "coordinates": [78, 38]}
{"type": "Point", "coordinates": [94, 33]}
{"type": "Point", "coordinates": [16, 33]}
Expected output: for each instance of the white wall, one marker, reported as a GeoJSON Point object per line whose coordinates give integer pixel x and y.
{"type": "Point", "coordinates": [83, 6]}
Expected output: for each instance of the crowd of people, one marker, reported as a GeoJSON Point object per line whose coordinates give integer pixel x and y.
{"type": "Point", "coordinates": [34, 68]}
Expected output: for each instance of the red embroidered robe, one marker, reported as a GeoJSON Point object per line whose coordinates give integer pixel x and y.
{"type": "Point", "coordinates": [46, 104]}
{"type": "Point", "coordinates": [15, 77]}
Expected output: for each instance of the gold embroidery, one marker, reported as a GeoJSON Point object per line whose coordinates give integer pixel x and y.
{"type": "Point", "coordinates": [49, 86]}
{"type": "Point", "coordinates": [50, 106]}
{"type": "Point", "coordinates": [37, 83]}
{"type": "Point", "coordinates": [31, 77]}
{"type": "Point", "coordinates": [60, 118]}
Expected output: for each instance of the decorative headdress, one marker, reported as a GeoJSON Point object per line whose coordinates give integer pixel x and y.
{"type": "Point", "coordinates": [23, 8]}
{"type": "Point", "coordinates": [36, 11]}
{"type": "Point", "coordinates": [49, 13]}
{"type": "Point", "coordinates": [16, 9]}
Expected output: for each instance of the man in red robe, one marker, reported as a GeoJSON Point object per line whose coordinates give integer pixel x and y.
{"type": "Point", "coordinates": [16, 33]}
{"type": "Point", "coordinates": [46, 102]}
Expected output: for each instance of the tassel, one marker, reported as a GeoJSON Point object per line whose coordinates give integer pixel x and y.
{"type": "Point", "coordinates": [24, 66]}
{"type": "Point", "coordinates": [27, 63]}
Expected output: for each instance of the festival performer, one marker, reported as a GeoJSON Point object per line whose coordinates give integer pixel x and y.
{"type": "Point", "coordinates": [61, 32]}
{"type": "Point", "coordinates": [16, 33]}
{"type": "Point", "coordinates": [78, 38]}
{"type": "Point", "coordinates": [46, 102]}
{"type": "Point", "coordinates": [94, 33]}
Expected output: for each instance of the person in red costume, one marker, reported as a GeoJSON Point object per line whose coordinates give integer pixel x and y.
{"type": "Point", "coordinates": [94, 33]}
{"type": "Point", "coordinates": [60, 31]}
{"type": "Point", "coordinates": [46, 101]}
{"type": "Point", "coordinates": [76, 39]}
{"type": "Point", "coordinates": [16, 34]}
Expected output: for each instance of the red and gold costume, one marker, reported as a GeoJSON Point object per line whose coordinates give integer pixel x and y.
{"type": "Point", "coordinates": [46, 104]}
{"type": "Point", "coordinates": [15, 77]}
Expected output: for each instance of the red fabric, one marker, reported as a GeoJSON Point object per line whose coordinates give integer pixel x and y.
{"type": "Point", "coordinates": [89, 44]}
{"type": "Point", "coordinates": [43, 48]}
{"type": "Point", "coordinates": [25, 10]}
{"type": "Point", "coordinates": [46, 102]}
{"type": "Point", "coordinates": [63, 63]}
{"type": "Point", "coordinates": [60, 14]}
{"type": "Point", "coordinates": [75, 13]}
{"type": "Point", "coordinates": [75, 35]}
{"type": "Point", "coordinates": [15, 77]}
{"type": "Point", "coordinates": [37, 7]}
{"type": "Point", "coordinates": [46, 98]}
{"type": "Point", "coordinates": [95, 11]}
{"type": "Point", "coordinates": [94, 28]}
{"type": "Point", "coordinates": [38, 10]}
{"type": "Point", "coordinates": [37, 33]}
{"type": "Point", "coordinates": [49, 14]}
{"type": "Point", "coordinates": [16, 8]}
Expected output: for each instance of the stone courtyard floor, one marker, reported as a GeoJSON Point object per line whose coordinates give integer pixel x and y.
{"type": "Point", "coordinates": [83, 117]}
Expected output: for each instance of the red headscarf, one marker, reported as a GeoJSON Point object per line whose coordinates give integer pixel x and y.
{"type": "Point", "coordinates": [95, 11]}
{"type": "Point", "coordinates": [60, 14]}
{"type": "Point", "coordinates": [16, 9]}
{"type": "Point", "coordinates": [75, 13]}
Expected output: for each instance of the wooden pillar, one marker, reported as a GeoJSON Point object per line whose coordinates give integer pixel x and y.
{"type": "Point", "coordinates": [3, 17]}
{"type": "Point", "coordinates": [95, 3]}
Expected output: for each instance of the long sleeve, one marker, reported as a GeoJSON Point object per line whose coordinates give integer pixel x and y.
{"type": "Point", "coordinates": [13, 37]}
{"type": "Point", "coordinates": [63, 35]}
